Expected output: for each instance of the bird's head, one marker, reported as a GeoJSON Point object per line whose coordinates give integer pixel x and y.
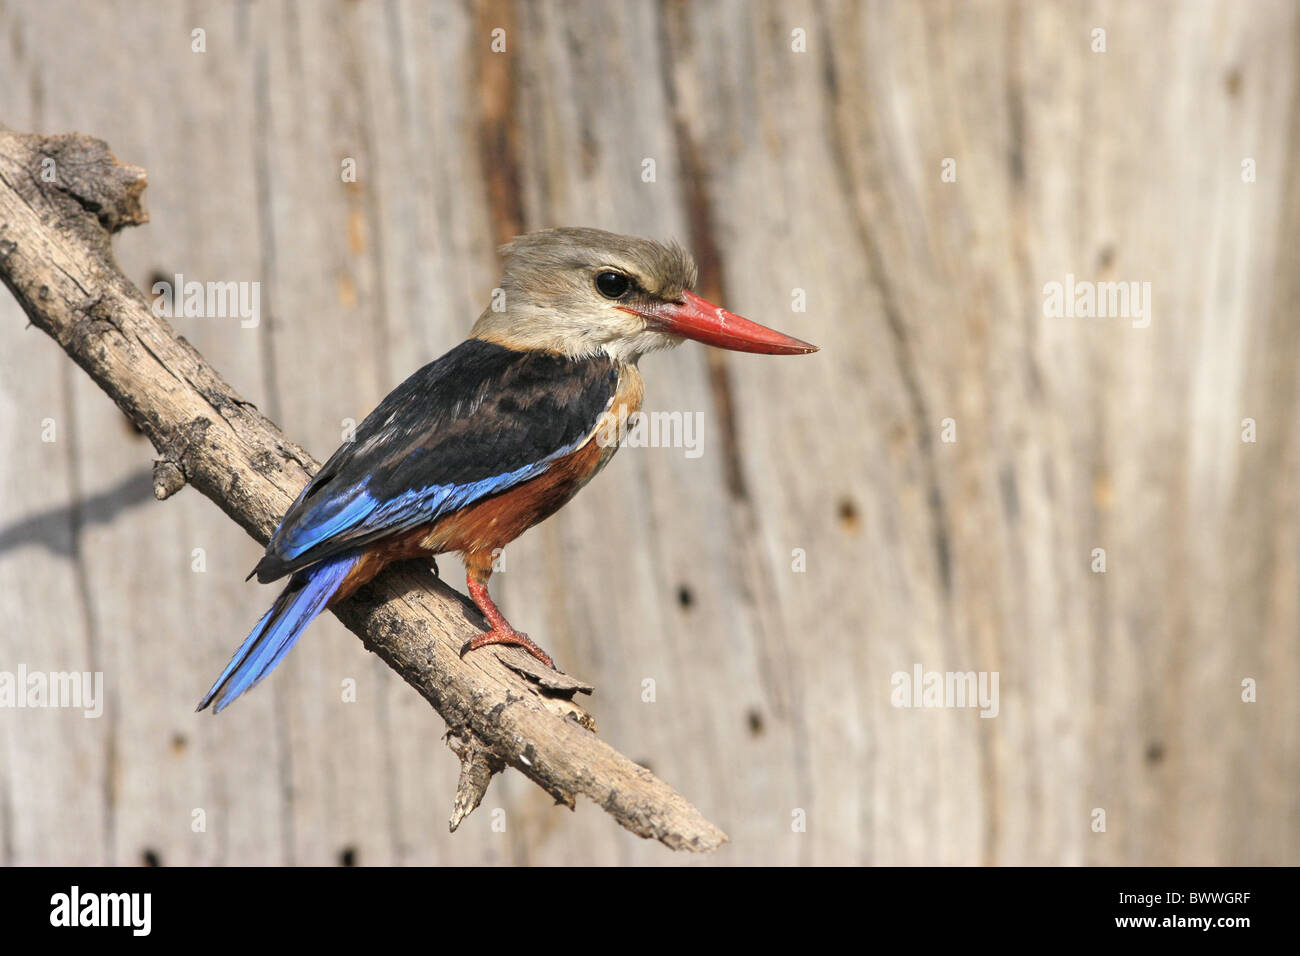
{"type": "Point", "coordinates": [582, 292]}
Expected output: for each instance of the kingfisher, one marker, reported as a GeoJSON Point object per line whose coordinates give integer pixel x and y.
{"type": "Point", "coordinates": [496, 435]}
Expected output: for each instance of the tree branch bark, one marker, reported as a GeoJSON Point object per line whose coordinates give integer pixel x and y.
{"type": "Point", "coordinates": [60, 199]}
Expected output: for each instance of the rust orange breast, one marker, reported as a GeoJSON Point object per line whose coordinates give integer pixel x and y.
{"type": "Point", "coordinates": [479, 529]}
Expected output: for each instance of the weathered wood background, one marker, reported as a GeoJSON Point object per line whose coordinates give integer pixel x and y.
{"type": "Point", "coordinates": [817, 170]}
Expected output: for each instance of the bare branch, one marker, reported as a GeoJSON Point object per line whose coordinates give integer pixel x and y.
{"type": "Point", "coordinates": [501, 709]}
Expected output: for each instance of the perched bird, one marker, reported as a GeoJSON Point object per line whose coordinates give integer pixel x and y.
{"type": "Point", "coordinates": [493, 437]}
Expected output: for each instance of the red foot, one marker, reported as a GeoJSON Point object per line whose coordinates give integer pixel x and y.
{"type": "Point", "coordinates": [502, 632]}
{"type": "Point", "coordinates": [511, 637]}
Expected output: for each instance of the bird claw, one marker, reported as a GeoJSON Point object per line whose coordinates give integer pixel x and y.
{"type": "Point", "coordinates": [517, 638]}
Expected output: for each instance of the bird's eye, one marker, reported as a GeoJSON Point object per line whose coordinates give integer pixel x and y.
{"type": "Point", "coordinates": [613, 285]}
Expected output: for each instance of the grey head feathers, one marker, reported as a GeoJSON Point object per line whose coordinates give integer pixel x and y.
{"type": "Point", "coordinates": [551, 301]}
{"type": "Point", "coordinates": [664, 269]}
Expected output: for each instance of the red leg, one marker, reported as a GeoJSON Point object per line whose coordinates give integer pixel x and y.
{"type": "Point", "coordinates": [502, 632]}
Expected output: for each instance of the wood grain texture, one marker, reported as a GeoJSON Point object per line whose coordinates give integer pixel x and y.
{"type": "Point", "coordinates": [781, 170]}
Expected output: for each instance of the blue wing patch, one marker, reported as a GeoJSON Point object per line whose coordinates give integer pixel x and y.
{"type": "Point", "coordinates": [360, 511]}
{"type": "Point", "coordinates": [327, 517]}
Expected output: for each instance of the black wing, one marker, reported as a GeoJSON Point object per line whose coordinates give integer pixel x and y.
{"type": "Point", "coordinates": [476, 421]}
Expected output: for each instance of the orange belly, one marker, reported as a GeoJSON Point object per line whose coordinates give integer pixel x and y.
{"type": "Point", "coordinates": [481, 529]}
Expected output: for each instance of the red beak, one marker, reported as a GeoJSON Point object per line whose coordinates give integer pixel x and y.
{"type": "Point", "coordinates": [704, 322]}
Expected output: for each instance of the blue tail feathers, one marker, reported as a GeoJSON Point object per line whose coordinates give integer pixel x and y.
{"type": "Point", "coordinates": [306, 595]}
